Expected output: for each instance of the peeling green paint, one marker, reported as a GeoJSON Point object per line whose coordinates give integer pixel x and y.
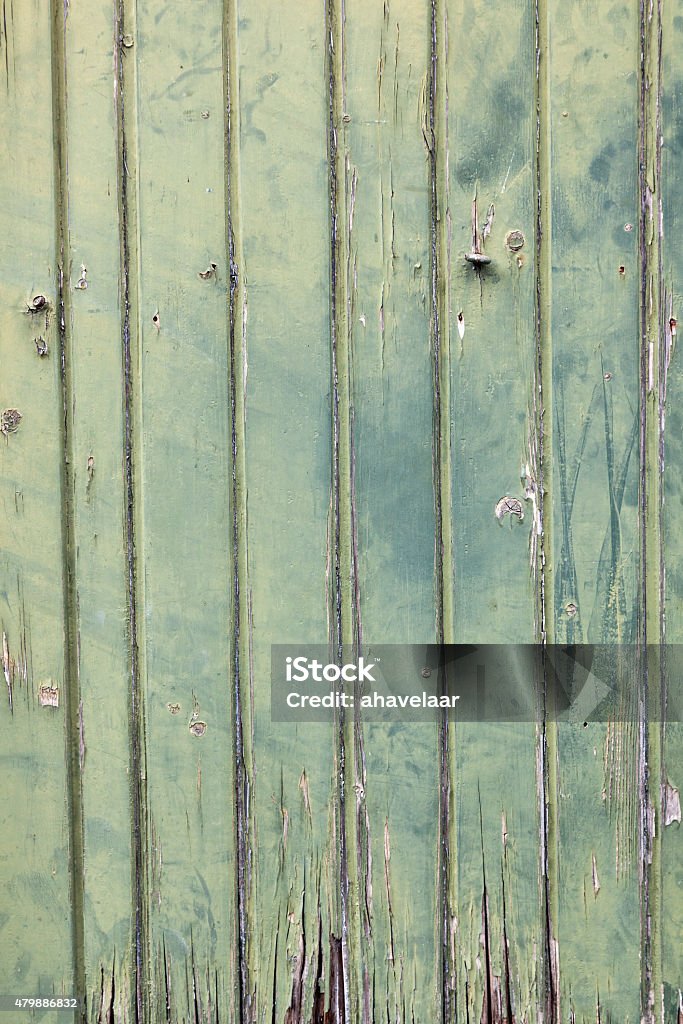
{"type": "Point", "coordinates": [359, 325]}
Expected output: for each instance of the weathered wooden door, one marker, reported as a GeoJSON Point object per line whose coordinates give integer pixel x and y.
{"type": "Point", "coordinates": [253, 392]}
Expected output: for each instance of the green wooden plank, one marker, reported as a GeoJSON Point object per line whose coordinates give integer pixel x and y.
{"type": "Point", "coordinates": [294, 926]}
{"type": "Point", "coordinates": [175, 155]}
{"type": "Point", "coordinates": [388, 285]}
{"type": "Point", "coordinates": [670, 923]}
{"type": "Point", "coordinates": [495, 833]}
{"type": "Point", "coordinates": [96, 453]}
{"type": "Point", "coordinates": [36, 919]}
{"type": "Point", "coordinates": [594, 537]}
{"type": "Point", "coordinates": [652, 619]}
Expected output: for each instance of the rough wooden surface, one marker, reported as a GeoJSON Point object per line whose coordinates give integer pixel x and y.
{"type": "Point", "coordinates": [38, 741]}
{"type": "Point", "coordinates": [268, 399]}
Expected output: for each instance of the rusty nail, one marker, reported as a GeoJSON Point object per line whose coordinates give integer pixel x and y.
{"type": "Point", "coordinates": [38, 304]}
{"type": "Point", "coordinates": [477, 259]}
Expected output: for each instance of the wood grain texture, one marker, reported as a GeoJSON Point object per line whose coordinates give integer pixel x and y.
{"type": "Point", "coordinates": [277, 395]}
{"type": "Point", "coordinates": [666, 788]}
{"type": "Point", "coordinates": [38, 930]}
{"type": "Point", "coordinates": [495, 412]}
{"type": "Point", "coordinates": [595, 546]}
{"type": "Point", "coordinates": [178, 404]}
{"type": "Point", "coordinates": [387, 245]}
{"type": "Point", "coordinates": [100, 734]}
{"type": "Point", "coordinates": [293, 916]}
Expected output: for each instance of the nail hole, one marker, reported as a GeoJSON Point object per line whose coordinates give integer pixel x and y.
{"type": "Point", "coordinates": [571, 609]}
{"type": "Point", "coordinates": [509, 506]}
{"type": "Point", "coordinates": [209, 272]}
{"type": "Point", "coordinates": [622, 270]}
{"type": "Point", "coordinates": [514, 241]}
{"type": "Point", "coordinates": [48, 696]}
{"type": "Point", "coordinates": [9, 421]}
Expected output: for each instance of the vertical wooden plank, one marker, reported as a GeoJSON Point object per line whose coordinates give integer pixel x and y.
{"type": "Point", "coordinates": [100, 591]}
{"type": "Point", "coordinates": [594, 534]}
{"type": "Point", "coordinates": [669, 390]}
{"type": "Point", "coordinates": [37, 897]}
{"type": "Point", "coordinates": [179, 439]}
{"type": "Point", "coordinates": [495, 413]}
{"type": "Point", "coordinates": [387, 242]}
{"type": "Point", "coordinates": [293, 915]}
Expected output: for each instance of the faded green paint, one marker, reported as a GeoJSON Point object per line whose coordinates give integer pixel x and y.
{"type": "Point", "coordinates": [670, 880]}
{"type": "Point", "coordinates": [37, 924]}
{"type": "Point", "coordinates": [496, 829]}
{"type": "Point", "coordinates": [386, 223]}
{"type": "Point", "coordinates": [594, 543]}
{"type": "Point", "coordinates": [179, 410]}
{"type": "Point", "coordinates": [98, 593]}
{"type": "Point", "coordinates": [282, 319]}
{"type": "Point", "coordinates": [278, 404]}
